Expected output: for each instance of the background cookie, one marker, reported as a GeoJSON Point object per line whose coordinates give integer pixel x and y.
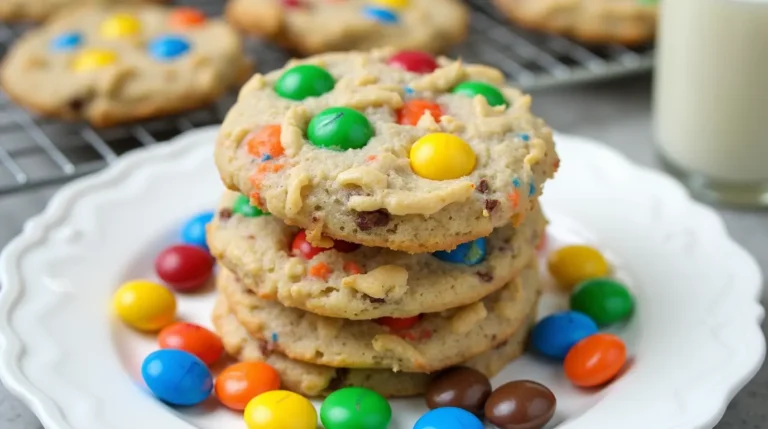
{"type": "Point", "coordinates": [314, 26]}
{"type": "Point", "coordinates": [40, 10]}
{"type": "Point", "coordinates": [112, 64]}
{"type": "Point", "coordinates": [354, 282]}
{"type": "Point", "coordinates": [628, 22]}
{"type": "Point", "coordinates": [353, 146]}
{"type": "Point", "coordinates": [427, 343]}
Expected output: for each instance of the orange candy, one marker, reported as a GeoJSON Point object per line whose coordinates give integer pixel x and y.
{"type": "Point", "coordinates": [266, 141]}
{"type": "Point", "coordinates": [243, 381]}
{"type": "Point", "coordinates": [352, 268]}
{"type": "Point", "coordinates": [413, 110]}
{"type": "Point", "coordinates": [193, 339]}
{"type": "Point", "coordinates": [514, 198]}
{"type": "Point", "coordinates": [320, 270]}
{"type": "Point", "coordinates": [186, 17]}
{"type": "Point", "coordinates": [595, 360]}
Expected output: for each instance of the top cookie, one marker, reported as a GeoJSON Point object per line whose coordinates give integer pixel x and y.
{"type": "Point", "coordinates": [304, 26]}
{"type": "Point", "coordinates": [387, 149]}
{"type": "Point", "coordinates": [119, 63]}
{"type": "Point", "coordinates": [40, 10]}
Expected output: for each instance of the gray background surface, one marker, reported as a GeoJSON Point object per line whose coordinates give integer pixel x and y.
{"type": "Point", "coordinates": [617, 113]}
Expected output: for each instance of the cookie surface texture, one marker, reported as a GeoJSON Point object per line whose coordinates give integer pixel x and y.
{"type": "Point", "coordinates": [626, 22]}
{"type": "Point", "coordinates": [41, 10]}
{"type": "Point", "coordinates": [116, 64]}
{"type": "Point", "coordinates": [356, 147]}
{"type": "Point", "coordinates": [302, 25]}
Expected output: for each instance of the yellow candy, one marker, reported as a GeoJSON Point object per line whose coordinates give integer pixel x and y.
{"type": "Point", "coordinates": [280, 409]}
{"type": "Point", "coordinates": [92, 59]}
{"type": "Point", "coordinates": [571, 265]}
{"type": "Point", "coordinates": [145, 305]}
{"type": "Point", "coordinates": [120, 25]}
{"type": "Point", "coordinates": [442, 156]}
{"type": "Point", "coordinates": [395, 4]}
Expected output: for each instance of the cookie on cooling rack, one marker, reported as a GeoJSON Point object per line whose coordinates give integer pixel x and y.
{"type": "Point", "coordinates": [314, 26]}
{"type": "Point", "coordinates": [120, 63]}
{"type": "Point", "coordinates": [41, 10]}
{"type": "Point", "coordinates": [626, 22]}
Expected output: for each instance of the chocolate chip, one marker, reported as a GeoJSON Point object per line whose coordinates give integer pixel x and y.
{"type": "Point", "coordinates": [482, 187]}
{"type": "Point", "coordinates": [491, 204]}
{"type": "Point", "coordinates": [77, 104]}
{"type": "Point", "coordinates": [225, 214]}
{"type": "Point", "coordinates": [366, 221]}
{"type": "Point", "coordinates": [486, 277]}
{"type": "Point", "coordinates": [374, 300]}
{"type": "Point", "coordinates": [265, 347]}
{"type": "Point", "coordinates": [337, 382]}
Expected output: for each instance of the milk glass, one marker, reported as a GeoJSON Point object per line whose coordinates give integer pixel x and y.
{"type": "Point", "coordinates": [711, 97]}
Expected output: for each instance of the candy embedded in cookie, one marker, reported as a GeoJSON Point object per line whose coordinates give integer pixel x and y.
{"type": "Point", "coordinates": [41, 10]}
{"type": "Point", "coordinates": [111, 64]}
{"type": "Point", "coordinates": [376, 154]}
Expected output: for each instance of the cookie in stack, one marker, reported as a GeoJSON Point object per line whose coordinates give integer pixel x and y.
{"type": "Point", "coordinates": [381, 221]}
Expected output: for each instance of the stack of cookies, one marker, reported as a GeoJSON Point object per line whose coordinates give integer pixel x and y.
{"type": "Point", "coordinates": [380, 222]}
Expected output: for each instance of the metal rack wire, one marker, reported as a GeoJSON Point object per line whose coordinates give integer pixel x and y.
{"type": "Point", "coordinates": [39, 151]}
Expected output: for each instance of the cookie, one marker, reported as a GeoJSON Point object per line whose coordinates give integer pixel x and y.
{"type": "Point", "coordinates": [356, 147]}
{"type": "Point", "coordinates": [317, 380]}
{"type": "Point", "coordinates": [41, 10]}
{"type": "Point", "coordinates": [303, 26]}
{"type": "Point", "coordinates": [627, 22]}
{"type": "Point", "coordinates": [354, 282]}
{"type": "Point", "coordinates": [115, 64]}
{"type": "Point", "coordinates": [426, 343]}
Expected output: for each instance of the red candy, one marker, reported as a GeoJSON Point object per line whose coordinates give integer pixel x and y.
{"type": "Point", "coordinates": [193, 339]}
{"type": "Point", "coordinates": [595, 360]}
{"type": "Point", "coordinates": [292, 3]}
{"type": "Point", "coordinates": [184, 267]}
{"type": "Point", "coordinates": [397, 323]}
{"type": "Point", "coordinates": [302, 247]}
{"type": "Point", "coordinates": [413, 61]}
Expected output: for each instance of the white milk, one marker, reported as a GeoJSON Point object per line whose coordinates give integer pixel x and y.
{"type": "Point", "coordinates": [711, 88]}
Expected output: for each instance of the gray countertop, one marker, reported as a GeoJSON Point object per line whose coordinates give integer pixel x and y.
{"type": "Point", "coordinates": [617, 113]}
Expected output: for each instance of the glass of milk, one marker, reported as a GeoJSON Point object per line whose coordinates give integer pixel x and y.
{"type": "Point", "coordinates": [710, 104]}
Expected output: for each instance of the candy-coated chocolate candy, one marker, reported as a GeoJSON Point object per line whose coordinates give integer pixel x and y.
{"type": "Point", "coordinates": [555, 334]}
{"type": "Point", "coordinates": [68, 41]}
{"type": "Point", "coordinates": [442, 156]}
{"type": "Point", "coordinates": [355, 408]}
{"type": "Point", "coordinates": [448, 418]}
{"type": "Point", "coordinates": [177, 377]}
{"type": "Point", "coordinates": [265, 143]}
{"type": "Point", "coordinates": [380, 14]}
{"type": "Point", "coordinates": [521, 404]}
{"type": "Point", "coordinates": [184, 267]}
{"type": "Point", "coordinates": [604, 300]}
{"type": "Point", "coordinates": [92, 59]}
{"type": "Point", "coordinates": [398, 323]}
{"type": "Point", "coordinates": [470, 253]}
{"type": "Point", "coordinates": [302, 81]}
{"type": "Point", "coordinates": [243, 381]}
{"type": "Point", "coordinates": [292, 3]}
{"type": "Point", "coordinates": [169, 47]}
{"type": "Point", "coordinates": [280, 409]}
{"type": "Point", "coordinates": [120, 25]}
{"type": "Point", "coordinates": [394, 4]}
{"type": "Point", "coordinates": [595, 360]}
{"type": "Point", "coordinates": [573, 264]}
{"type": "Point", "coordinates": [192, 338]}
{"type": "Point", "coordinates": [413, 110]}
{"type": "Point", "coordinates": [492, 95]}
{"type": "Point", "coordinates": [193, 231]}
{"type": "Point", "coordinates": [186, 17]}
{"type": "Point", "coordinates": [339, 128]}
{"type": "Point", "coordinates": [145, 305]}
{"type": "Point", "coordinates": [302, 247]}
{"type": "Point", "coordinates": [413, 61]}
{"type": "Point", "coordinates": [244, 208]}
{"type": "Point", "coordinates": [459, 387]}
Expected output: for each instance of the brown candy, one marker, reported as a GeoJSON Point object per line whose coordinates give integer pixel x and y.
{"type": "Point", "coordinates": [459, 387]}
{"type": "Point", "coordinates": [521, 404]}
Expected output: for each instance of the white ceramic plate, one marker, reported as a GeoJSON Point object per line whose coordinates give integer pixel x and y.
{"type": "Point", "coordinates": [694, 340]}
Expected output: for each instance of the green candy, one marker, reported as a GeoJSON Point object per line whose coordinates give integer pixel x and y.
{"type": "Point", "coordinates": [244, 208]}
{"type": "Point", "coordinates": [339, 128]}
{"type": "Point", "coordinates": [355, 408]}
{"type": "Point", "coordinates": [605, 301]}
{"type": "Point", "coordinates": [472, 88]}
{"type": "Point", "coordinates": [300, 82]}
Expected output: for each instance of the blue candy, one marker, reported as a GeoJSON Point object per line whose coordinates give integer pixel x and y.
{"type": "Point", "coordinates": [164, 48]}
{"type": "Point", "coordinates": [385, 16]}
{"type": "Point", "coordinates": [470, 253]}
{"type": "Point", "coordinates": [555, 334]}
{"type": "Point", "coordinates": [177, 377]}
{"type": "Point", "coordinates": [66, 41]}
{"type": "Point", "coordinates": [448, 418]}
{"type": "Point", "coordinates": [193, 231]}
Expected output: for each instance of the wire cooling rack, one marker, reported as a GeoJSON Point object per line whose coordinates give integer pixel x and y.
{"type": "Point", "coordinates": [38, 151]}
